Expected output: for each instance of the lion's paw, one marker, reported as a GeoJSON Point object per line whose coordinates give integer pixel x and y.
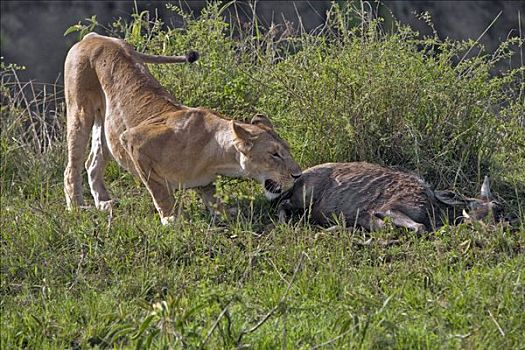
{"type": "Point", "coordinates": [167, 220]}
{"type": "Point", "coordinates": [105, 205]}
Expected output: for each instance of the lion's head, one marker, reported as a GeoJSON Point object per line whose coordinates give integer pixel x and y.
{"type": "Point", "coordinates": [264, 156]}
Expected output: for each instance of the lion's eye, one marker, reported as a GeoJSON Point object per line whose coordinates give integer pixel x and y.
{"type": "Point", "coordinates": [276, 155]}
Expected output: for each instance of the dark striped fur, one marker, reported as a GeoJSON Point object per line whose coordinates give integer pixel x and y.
{"type": "Point", "coordinates": [364, 194]}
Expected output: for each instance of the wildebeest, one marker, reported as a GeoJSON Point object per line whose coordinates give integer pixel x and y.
{"type": "Point", "coordinates": [365, 194]}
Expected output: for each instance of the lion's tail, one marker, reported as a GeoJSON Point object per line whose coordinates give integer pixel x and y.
{"type": "Point", "coordinates": [190, 57]}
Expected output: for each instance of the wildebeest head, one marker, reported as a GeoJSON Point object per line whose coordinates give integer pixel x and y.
{"type": "Point", "coordinates": [473, 208]}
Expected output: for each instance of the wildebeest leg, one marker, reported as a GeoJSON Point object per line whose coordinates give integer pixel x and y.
{"type": "Point", "coordinates": [401, 220]}
{"type": "Point", "coordinates": [284, 210]}
{"type": "Point", "coordinates": [370, 222]}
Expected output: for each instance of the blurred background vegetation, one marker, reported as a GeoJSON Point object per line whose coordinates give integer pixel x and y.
{"type": "Point", "coordinates": [31, 30]}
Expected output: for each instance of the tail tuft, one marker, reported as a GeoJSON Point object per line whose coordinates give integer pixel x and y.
{"type": "Point", "coordinates": [192, 56]}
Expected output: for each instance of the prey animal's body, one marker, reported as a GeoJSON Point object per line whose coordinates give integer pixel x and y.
{"type": "Point", "coordinates": [111, 94]}
{"type": "Point", "coordinates": [364, 195]}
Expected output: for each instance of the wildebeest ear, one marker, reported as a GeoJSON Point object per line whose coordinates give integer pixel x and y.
{"type": "Point", "coordinates": [262, 120]}
{"type": "Point", "coordinates": [485, 189]}
{"type": "Point", "coordinates": [450, 198]}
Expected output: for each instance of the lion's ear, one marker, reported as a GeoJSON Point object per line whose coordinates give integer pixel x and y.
{"type": "Point", "coordinates": [243, 138]}
{"type": "Point", "coordinates": [262, 120]}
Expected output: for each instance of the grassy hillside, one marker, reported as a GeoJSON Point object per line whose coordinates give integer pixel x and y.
{"type": "Point", "coordinates": [350, 91]}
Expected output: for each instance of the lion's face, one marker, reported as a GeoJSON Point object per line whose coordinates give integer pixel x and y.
{"type": "Point", "coordinates": [265, 157]}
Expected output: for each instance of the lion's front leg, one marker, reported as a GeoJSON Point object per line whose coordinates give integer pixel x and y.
{"type": "Point", "coordinates": [161, 192]}
{"type": "Point", "coordinates": [163, 199]}
{"type": "Point", "coordinates": [214, 204]}
{"type": "Point", "coordinates": [160, 189]}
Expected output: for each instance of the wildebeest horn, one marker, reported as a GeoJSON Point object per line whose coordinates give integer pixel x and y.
{"type": "Point", "coordinates": [485, 189]}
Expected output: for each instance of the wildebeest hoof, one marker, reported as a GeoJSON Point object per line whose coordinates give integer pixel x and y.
{"type": "Point", "coordinates": [282, 216]}
{"type": "Point", "coordinates": [419, 228]}
{"type": "Point", "coordinates": [232, 212]}
{"type": "Point", "coordinates": [283, 211]}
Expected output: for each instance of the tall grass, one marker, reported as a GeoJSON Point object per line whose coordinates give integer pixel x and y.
{"type": "Point", "coordinates": [348, 91]}
{"type": "Point", "coordinates": [32, 133]}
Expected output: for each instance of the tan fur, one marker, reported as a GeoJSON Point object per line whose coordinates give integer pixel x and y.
{"type": "Point", "coordinates": [134, 120]}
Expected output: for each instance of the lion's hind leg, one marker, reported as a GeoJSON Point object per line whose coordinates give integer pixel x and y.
{"type": "Point", "coordinates": [79, 123]}
{"type": "Point", "coordinates": [96, 165]}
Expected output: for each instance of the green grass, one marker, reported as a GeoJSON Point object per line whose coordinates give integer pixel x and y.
{"type": "Point", "coordinates": [86, 279]}
{"type": "Point", "coordinates": [75, 278]}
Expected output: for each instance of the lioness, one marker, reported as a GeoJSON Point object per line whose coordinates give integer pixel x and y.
{"type": "Point", "coordinates": [364, 194]}
{"type": "Point", "coordinates": [132, 118]}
